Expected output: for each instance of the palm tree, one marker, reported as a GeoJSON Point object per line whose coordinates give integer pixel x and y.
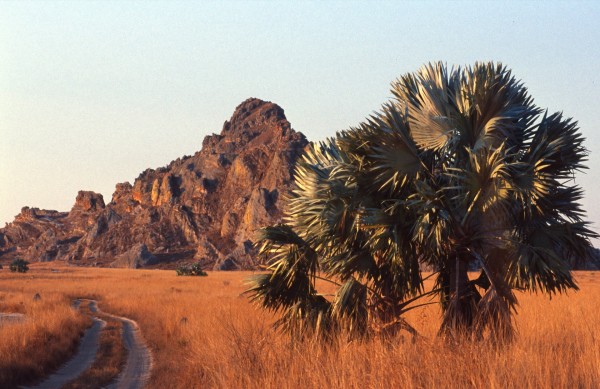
{"type": "Point", "coordinates": [460, 170]}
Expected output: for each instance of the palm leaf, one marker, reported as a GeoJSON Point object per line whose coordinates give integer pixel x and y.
{"type": "Point", "coordinates": [427, 98]}
{"type": "Point", "coordinates": [495, 108]}
{"type": "Point", "coordinates": [350, 306]}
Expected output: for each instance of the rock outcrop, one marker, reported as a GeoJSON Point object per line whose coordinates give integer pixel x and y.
{"type": "Point", "coordinates": [206, 207]}
{"type": "Point", "coordinates": [42, 235]}
{"type": "Point", "coordinates": [138, 256]}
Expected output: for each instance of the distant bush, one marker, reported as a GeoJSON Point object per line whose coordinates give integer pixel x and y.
{"type": "Point", "coordinates": [193, 270]}
{"type": "Point", "coordinates": [19, 266]}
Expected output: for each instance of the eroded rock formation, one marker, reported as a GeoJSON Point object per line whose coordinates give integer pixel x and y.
{"type": "Point", "coordinates": [206, 207]}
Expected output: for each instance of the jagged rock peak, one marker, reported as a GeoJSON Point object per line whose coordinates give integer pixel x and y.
{"type": "Point", "coordinates": [28, 213]}
{"type": "Point", "coordinates": [88, 201]}
{"type": "Point", "coordinates": [31, 213]}
{"type": "Point", "coordinates": [252, 113]}
{"type": "Point", "coordinates": [206, 207]}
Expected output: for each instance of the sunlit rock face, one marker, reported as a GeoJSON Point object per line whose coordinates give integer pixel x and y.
{"type": "Point", "coordinates": [206, 207]}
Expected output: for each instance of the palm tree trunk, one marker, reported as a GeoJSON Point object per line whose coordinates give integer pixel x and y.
{"type": "Point", "coordinates": [459, 278]}
{"type": "Point", "coordinates": [461, 309]}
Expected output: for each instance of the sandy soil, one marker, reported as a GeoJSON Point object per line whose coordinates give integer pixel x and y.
{"type": "Point", "coordinates": [139, 359]}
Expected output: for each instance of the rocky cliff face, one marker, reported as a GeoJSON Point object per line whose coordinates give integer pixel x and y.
{"type": "Point", "coordinates": [205, 207]}
{"type": "Point", "coordinates": [41, 235]}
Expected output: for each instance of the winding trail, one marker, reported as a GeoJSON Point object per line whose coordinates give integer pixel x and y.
{"type": "Point", "coordinates": [88, 347]}
{"type": "Point", "coordinates": [139, 359]}
{"type": "Point", "coordinates": [134, 375]}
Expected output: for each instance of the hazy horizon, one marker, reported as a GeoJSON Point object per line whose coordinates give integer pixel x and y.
{"type": "Point", "coordinates": [94, 93]}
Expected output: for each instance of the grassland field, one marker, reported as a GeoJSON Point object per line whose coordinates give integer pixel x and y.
{"type": "Point", "coordinates": [203, 333]}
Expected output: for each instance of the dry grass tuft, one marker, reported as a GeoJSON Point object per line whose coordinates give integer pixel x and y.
{"type": "Point", "coordinates": [44, 340]}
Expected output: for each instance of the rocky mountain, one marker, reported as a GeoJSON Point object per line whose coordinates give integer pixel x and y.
{"type": "Point", "coordinates": [206, 207]}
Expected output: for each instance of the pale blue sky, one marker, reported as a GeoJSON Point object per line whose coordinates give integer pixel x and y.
{"type": "Point", "coordinates": [93, 93]}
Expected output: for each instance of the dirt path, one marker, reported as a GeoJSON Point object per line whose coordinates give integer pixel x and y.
{"type": "Point", "coordinates": [139, 359]}
{"type": "Point", "coordinates": [134, 375]}
{"type": "Point", "coordinates": [7, 318]}
{"type": "Point", "coordinates": [80, 362]}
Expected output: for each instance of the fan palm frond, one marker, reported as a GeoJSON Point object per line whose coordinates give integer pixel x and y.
{"type": "Point", "coordinates": [427, 98]}
{"type": "Point", "coordinates": [394, 154]}
{"type": "Point", "coordinates": [350, 306]}
{"type": "Point", "coordinates": [495, 108]}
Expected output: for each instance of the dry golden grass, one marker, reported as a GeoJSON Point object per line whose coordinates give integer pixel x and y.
{"type": "Point", "coordinates": [203, 333]}
{"type": "Point", "coordinates": [47, 336]}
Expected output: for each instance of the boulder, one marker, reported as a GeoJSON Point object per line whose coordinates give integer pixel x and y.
{"type": "Point", "coordinates": [226, 264]}
{"type": "Point", "coordinates": [88, 201]}
{"type": "Point", "coordinates": [138, 256]}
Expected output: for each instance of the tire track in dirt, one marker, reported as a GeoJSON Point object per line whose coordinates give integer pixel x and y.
{"type": "Point", "coordinates": [137, 369]}
{"type": "Point", "coordinates": [86, 354]}
{"type": "Point", "coordinates": [134, 375]}
{"type": "Point", "coordinates": [9, 318]}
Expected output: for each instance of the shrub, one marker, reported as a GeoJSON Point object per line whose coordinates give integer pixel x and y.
{"type": "Point", "coordinates": [193, 270]}
{"type": "Point", "coordinates": [19, 266]}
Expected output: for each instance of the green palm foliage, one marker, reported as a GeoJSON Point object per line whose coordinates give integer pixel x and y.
{"type": "Point", "coordinates": [459, 170]}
